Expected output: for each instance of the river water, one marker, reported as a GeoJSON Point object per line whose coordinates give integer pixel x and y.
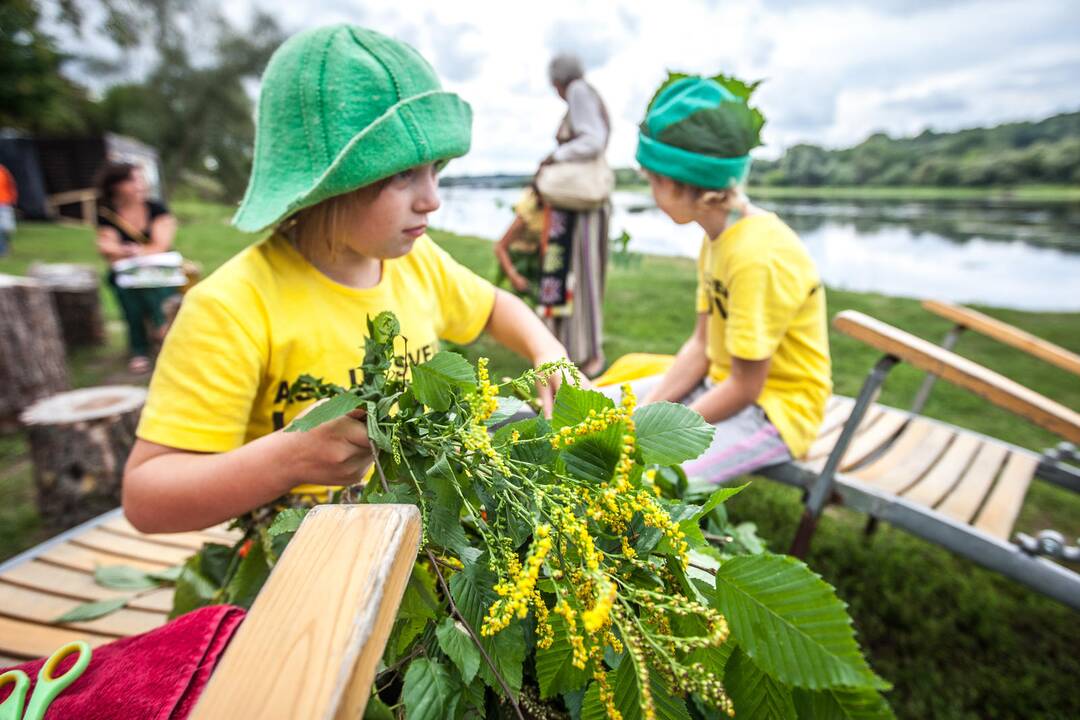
{"type": "Point", "coordinates": [1002, 254]}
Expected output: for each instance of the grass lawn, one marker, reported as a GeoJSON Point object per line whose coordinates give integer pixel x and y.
{"type": "Point", "coordinates": [956, 641]}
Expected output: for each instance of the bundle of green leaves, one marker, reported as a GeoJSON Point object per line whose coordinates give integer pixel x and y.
{"type": "Point", "coordinates": [729, 130]}
{"type": "Point", "coordinates": [567, 568]}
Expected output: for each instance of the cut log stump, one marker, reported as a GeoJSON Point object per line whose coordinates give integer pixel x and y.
{"type": "Point", "coordinates": [74, 289]}
{"type": "Point", "coordinates": [79, 442]}
{"type": "Point", "coordinates": [32, 362]}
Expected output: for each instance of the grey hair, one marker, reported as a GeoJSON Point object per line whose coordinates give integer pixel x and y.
{"type": "Point", "coordinates": [565, 68]}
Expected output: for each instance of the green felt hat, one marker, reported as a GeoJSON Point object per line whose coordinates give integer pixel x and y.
{"type": "Point", "coordinates": [699, 132]}
{"type": "Point", "coordinates": [340, 108]}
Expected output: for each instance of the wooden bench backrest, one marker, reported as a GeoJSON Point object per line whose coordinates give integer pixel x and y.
{"type": "Point", "coordinates": [1006, 333]}
{"type": "Point", "coordinates": [962, 372]}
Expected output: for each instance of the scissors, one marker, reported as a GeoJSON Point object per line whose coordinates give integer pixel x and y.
{"type": "Point", "coordinates": [48, 686]}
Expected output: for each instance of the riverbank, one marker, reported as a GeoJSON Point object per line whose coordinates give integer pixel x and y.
{"type": "Point", "coordinates": [1019, 194]}
{"type": "Point", "coordinates": [956, 641]}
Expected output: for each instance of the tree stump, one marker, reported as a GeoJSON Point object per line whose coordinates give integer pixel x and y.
{"type": "Point", "coordinates": [32, 362]}
{"type": "Point", "coordinates": [79, 442]}
{"type": "Point", "coordinates": [74, 289]}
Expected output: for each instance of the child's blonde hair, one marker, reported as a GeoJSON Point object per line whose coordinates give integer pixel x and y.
{"type": "Point", "coordinates": [325, 226]}
{"type": "Point", "coordinates": [733, 198]}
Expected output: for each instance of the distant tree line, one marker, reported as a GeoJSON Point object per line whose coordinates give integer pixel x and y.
{"type": "Point", "coordinates": [1047, 151]}
{"type": "Point", "coordinates": [174, 77]}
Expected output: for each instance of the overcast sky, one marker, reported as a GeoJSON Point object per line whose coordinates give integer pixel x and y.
{"type": "Point", "coordinates": [835, 70]}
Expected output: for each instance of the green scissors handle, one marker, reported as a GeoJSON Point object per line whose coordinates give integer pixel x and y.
{"type": "Point", "coordinates": [11, 709]}
{"type": "Point", "coordinates": [48, 686]}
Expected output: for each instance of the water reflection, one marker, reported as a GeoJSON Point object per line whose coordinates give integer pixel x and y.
{"type": "Point", "coordinates": [1022, 256]}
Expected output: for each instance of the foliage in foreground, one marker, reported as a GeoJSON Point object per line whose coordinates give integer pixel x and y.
{"type": "Point", "coordinates": [563, 571]}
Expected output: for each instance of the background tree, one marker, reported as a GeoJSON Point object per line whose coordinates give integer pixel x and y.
{"type": "Point", "coordinates": [1047, 151]}
{"type": "Point", "coordinates": [193, 102]}
{"type": "Point", "coordinates": [34, 95]}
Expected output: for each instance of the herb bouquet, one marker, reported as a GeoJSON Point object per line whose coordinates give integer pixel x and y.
{"type": "Point", "coordinates": [560, 573]}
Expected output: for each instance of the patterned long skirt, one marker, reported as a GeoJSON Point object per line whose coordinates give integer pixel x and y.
{"type": "Point", "coordinates": [579, 324]}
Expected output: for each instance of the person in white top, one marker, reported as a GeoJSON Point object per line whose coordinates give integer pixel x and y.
{"type": "Point", "coordinates": [572, 280]}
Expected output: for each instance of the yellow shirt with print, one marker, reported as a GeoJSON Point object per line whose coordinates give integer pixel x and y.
{"type": "Point", "coordinates": [765, 299]}
{"type": "Point", "coordinates": [267, 316]}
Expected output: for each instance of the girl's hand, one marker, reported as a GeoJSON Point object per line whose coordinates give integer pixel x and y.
{"type": "Point", "coordinates": [519, 282]}
{"type": "Point", "coordinates": [335, 453]}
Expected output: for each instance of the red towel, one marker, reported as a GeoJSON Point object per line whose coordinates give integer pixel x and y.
{"type": "Point", "coordinates": [158, 675]}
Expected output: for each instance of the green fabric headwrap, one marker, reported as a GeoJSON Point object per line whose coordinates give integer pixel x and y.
{"type": "Point", "coordinates": [340, 108]}
{"type": "Point", "coordinates": [699, 132]}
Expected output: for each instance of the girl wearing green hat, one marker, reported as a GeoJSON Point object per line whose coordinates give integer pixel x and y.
{"type": "Point", "coordinates": [352, 128]}
{"type": "Point", "coordinates": [757, 363]}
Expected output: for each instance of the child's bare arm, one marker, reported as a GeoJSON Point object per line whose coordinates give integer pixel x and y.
{"type": "Point", "coordinates": [171, 490]}
{"type": "Point", "coordinates": [162, 233]}
{"type": "Point", "coordinates": [741, 389]}
{"type": "Point", "coordinates": [691, 364]}
{"type": "Point", "coordinates": [109, 245]}
{"type": "Point", "coordinates": [502, 253]}
{"type": "Point", "coordinates": [514, 325]}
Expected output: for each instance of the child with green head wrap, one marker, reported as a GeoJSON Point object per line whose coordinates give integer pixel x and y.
{"type": "Point", "coordinates": [352, 128]}
{"type": "Point", "coordinates": [757, 363]}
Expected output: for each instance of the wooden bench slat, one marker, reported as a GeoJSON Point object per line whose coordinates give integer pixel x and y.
{"type": "Point", "coordinates": [32, 640]}
{"type": "Point", "coordinates": [1002, 507]}
{"type": "Point", "coordinates": [1006, 333]}
{"type": "Point", "coordinates": [873, 439]}
{"type": "Point", "coordinates": [44, 608]}
{"type": "Point", "coordinates": [969, 493]}
{"type": "Point", "coordinates": [7, 662]}
{"type": "Point", "coordinates": [105, 541]}
{"type": "Point", "coordinates": [186, 541]}
{"type": "Point", "coordinates": [835, 415]}
{"type": "Point", "coordinates": [919, 447]}
{"type": "Point", "coordinates": [941, 478]}
{"type": "Point", "coordinates": [190, 540]}
{"type": "Point", "coordinates": [46, 577]}
{"type": "Point", "coordinates": [86, 559]}
{"type": "Point", "coordinates": [825, 441]}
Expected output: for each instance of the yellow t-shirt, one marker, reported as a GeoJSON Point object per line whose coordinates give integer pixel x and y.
{"type": "Point", "coordinates": [532, 215]}
{"type": "Point", "coordinates": [765, 299]}
{"type": "Point", "coordinates": [267, 316]}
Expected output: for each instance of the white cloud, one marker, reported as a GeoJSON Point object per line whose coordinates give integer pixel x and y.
{"type": "Point", "coordinates": [835, 70]}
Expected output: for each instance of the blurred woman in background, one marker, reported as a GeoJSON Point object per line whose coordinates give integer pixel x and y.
{"type": "Point", "coordinates": [130, 226]}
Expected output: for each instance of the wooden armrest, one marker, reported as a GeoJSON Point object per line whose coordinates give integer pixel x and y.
{"type": "Point", "coordinates": [960, 371]}
{"type": "Point", "coordinates": [1005, 333]}
{"type": "Point", "coordinates": [315, 635]}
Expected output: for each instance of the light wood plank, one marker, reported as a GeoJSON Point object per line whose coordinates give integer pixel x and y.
{"type": "Point", "coordinates": [946, 472]}
{"type": "Point", "coordinates": [317, 630]}
{"type": "Point", "coordinates": [97, 539]}
{"type": "Point", "coordinates": [873, 439]}
{"type": "Point", "coordinates": [1006, 333]}
{"type": "Point", "coordinates": [86, 559]}
{"type": "Point", "coordinates": [999, 514]}
{"type": "Point", "coordinates": [194, 540]}
{"type": "Point", "coordinates": [81, 586]}
{"type": "Point", "coordinates": [32, 640]}
{"type": "Point", "coordinates": [970, 492]}
{"type": "Point", "coordinates": [42, 607]}
{"type": "Point", "coordinates": [191, 542]}
{"type": "Point", "coordinates": [962, 372]}
{"type": "Point", "coordinates": [918, 448]}
{"type": "Point", "coordinates": [825, 442]}
{"type": "Point", "coordinates": [836, 415]}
